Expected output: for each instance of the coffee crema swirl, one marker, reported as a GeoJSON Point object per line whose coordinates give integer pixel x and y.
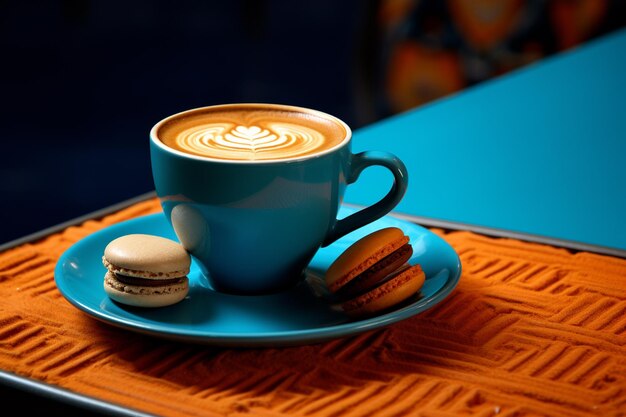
{"type": "Point", "coordinates": [228, 141]}
{"type": "Point", "coordinates": [251, 134]}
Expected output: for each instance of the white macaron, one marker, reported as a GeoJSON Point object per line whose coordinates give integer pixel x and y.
{"type": "Point", "coordinates": [146, 270]}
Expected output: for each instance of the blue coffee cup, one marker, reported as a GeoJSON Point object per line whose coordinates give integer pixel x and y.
{"type": "Point", "coordinates": [253, 227]}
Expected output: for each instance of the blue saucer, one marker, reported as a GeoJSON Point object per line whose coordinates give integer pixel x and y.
{"type": "Point", "coordinates": [300, 315]}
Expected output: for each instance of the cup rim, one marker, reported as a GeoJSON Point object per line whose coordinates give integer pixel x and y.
{"type": "Point", "coordinates": [154, 137]}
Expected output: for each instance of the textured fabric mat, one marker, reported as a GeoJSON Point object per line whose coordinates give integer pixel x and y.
{"type": "Point", "coordinates": [531, 330]}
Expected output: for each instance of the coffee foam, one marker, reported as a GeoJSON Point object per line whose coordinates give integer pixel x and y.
{"type": "Point", "coordinates": [251, 133]}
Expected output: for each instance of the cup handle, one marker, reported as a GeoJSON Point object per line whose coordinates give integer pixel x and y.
{"type": "Point", "coordinates": [367, 215]}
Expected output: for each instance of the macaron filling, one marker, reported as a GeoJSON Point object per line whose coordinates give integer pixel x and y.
{"type": "Point", "coordinates": [151, 296]}
{"type": "Point", "coordinates": [146, 282]}
{"type": "Point", "coordinates": [378, 274]}
{"type": "Point", "coordinates": [396, 290]}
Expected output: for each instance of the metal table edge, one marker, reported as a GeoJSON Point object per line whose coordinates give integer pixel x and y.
{"type": "Point", "coordinates": [62, 395]}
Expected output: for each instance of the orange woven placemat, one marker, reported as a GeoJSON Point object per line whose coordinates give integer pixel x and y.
{"type": "Point", "coordinates": [531, 330]}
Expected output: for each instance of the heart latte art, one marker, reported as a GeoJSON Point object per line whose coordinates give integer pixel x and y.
{"type": "Point", "coordinates": [252, 134]}
{"type": "Point", "coordinates": [278, 140]}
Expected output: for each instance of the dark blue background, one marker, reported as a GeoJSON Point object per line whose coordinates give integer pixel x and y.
{"type": "Point", "coordinates": [82, 83]}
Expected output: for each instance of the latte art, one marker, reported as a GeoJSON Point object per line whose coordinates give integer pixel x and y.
{"type": "Point", "coordinates": [251, 134]}
{"type": "Point", "coordinates": [250, 138]}
{"type": "Point", "coordinates": [228, 141]}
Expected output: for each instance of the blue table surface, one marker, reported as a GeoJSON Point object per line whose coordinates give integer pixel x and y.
{"type": "Point", "coordinates": [540, 151]}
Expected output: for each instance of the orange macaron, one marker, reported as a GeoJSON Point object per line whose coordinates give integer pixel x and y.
{"type": "Point", "coordinates": [373, 274]}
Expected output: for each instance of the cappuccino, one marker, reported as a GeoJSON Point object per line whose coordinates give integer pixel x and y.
{"type": "Point", "coordinates": [252, 191]}
{"type": "Point", "coordinates": [252, 132]}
